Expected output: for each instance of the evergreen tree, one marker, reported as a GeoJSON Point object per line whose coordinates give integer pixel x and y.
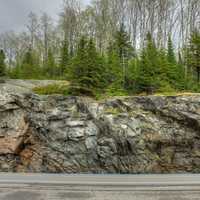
{"type": "Point", "coordinates": [166, 71]}
{"type": "Point", "coordinates": [124, 50]}
{"type": "Point", "coordinates": [50, 68]}
{"type": "Point", "coordinates": [30, 66]}
{"type": "Point", "coordinates": [115, 70]}
{"type": "Point", "coordinates": [170, 52]}
{"type": "Point", "coordinates": [16, 72]}
{"type": "Point", "coordinates": [122, 44]}
{"type": "Point", "coordinates": [182, 83]}
{"type": "Point", "coordinates": [76, 69]}
{"type": "Point", "coordinates": [149, 67]}
{"type": "Point", "coordinates": [193, 54]}
{"type": "Point", "coordinates": [27, 65]}
{"type": "Point", "coordinates": [87, 72]}
{"type": "Point", "coordinates": [173, 67]}
{"type": "Point", "coordinates": [132, 74]}
{"type": "Point", "coordinates": [2, 63]}
{"type": "Point", "coordinates": [96, 66]}
{"type": "Point", "coordinates": [163, 65]}
{"type": "Point", "coordinates": [64, 61]}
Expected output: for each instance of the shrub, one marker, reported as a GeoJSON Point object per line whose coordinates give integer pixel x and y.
{"type": "Point", "coordinates": [52, 89]}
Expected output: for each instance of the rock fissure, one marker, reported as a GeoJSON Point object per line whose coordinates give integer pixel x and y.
{"type": "Point", "coordinates": [56, 134]}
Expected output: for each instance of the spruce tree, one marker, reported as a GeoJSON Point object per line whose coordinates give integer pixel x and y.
{"type": "Point", "coordinates": [132, 74]}
{"type": "Point", "coordinates": [30, 68]}
{"type": "Point", "coordinates": [50, 68]}
{"type": "Point", "coordinates": [76, 69]}
{"type": "Point", "coordinates": [124, 50]}
{"type": "Point", "coordinates": [173, 67]}
{"type": "Point", "coordinates": [87, 72]}
{"type": "Point", "coordinates": [167, 71]}
{"type": "Point", "coordinates": [27, 65]}
{"type": "Point", "coordinates": [114, 70]}
{"type": "Point", "coordinates": [96, 66]}
{"type": "Point", "coordinates": [193, 54]}
{"type": "Point", "coordinates": [2, 63]}
{"type": "Point", "coordinates": [64, 60]}
{"type": "Point", "coordinates": [181, 73]}
{"type": "Point", "coordinates": [170, 52]}
{"type": "Point", "coordinates": [149, 67]}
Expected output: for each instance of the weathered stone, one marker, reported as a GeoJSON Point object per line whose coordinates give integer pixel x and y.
{"type": "Point", "coordinates": [91, 143]}
{"type": "Point", "coordinates": [13, 128]}
{"type": "Point", "coordinates": [57, 134]}
{"type": "Point", "coordinates": [76, 133]}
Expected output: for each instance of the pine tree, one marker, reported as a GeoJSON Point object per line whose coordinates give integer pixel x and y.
{"type": "Point", "coordinates": [193, 54]}
{"type": "Point", "coordinates": [87, 72]}
{"type": "Point", "coordinates": [132, 74]}
{"type": "Point", "coordinates": [166, 72]}
{"type": "Point", "coordinates": [124, 50]}
{"type": "Point", "coordinates": [2, 63]}
{"type": "Point", "coordinates": [114, 70]}
{"type": "Point", "coordinates": [182, 85]}
{"type": "Point", "coordinates": [162, 65]}
{"type": "Point", "coordinates": [50, 68]}
{"type": "Point", "coordinates": [149, 67]}
{"type": "Point", "coordinates": [170, 52]}
{"type": "Point", "coordinates": [173, 67]}
{"type": "Point", "coordinates": [30, 68]}
{"type": "Point", "coordinates": [76, 69]}
{"type": "Point", "coordinates": [64, 60]}
{"type": "Point", "coordinates": [27, 65]}
{"type": "Point", "coordinates": [16, 72]}
{"type": "Point", "coordinates": [95, 66]}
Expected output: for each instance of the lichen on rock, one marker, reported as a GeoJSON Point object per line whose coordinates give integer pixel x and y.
{"type": "Point", "coordinates": [56, 134]}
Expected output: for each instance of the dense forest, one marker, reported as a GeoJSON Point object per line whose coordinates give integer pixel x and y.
{"type": "Point", "coordinates": [118, 47]}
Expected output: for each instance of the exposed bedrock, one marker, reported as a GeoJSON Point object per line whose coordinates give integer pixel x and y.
{"type": "Point", "coordinates": [56, 134]}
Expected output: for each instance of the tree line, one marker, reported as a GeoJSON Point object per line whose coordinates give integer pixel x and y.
{"type": "Point", "coordinates": [117, 46]}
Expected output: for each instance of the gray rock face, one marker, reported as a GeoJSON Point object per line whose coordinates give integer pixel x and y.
{"type": "Point", "coordinates": [59, 134]}
{"type": "Point", "coordinates": [25, 86]}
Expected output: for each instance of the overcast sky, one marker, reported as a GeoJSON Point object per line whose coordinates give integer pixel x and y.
{"type": "Point", "coordinates": [13, 13]}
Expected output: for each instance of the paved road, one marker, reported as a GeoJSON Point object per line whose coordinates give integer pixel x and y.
{"type": "Point", "coordinates": [99, 187]}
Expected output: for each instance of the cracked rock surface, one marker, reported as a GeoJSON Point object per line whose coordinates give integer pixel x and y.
{"type": "Point", "coordinates": [56, 134]}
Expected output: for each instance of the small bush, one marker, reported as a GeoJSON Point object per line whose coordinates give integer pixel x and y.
{"type": "Point", "coordinates": [116, 91]}
{"type": "Point", "coordinates": [165, 87]}
{"type": "Point", "coordinates": [52, 89]}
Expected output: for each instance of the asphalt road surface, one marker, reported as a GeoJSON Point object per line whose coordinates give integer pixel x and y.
{"type": "Point", "coordinates": [99, 187]}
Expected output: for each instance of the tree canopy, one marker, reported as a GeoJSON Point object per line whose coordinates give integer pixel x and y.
{"type": "Point", "coordinates": [110, 47]}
